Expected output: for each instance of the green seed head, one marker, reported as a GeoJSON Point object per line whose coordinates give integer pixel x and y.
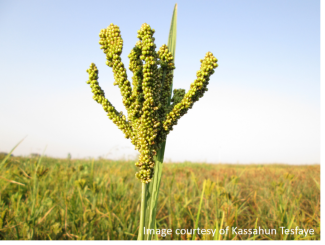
{"type": "Point", "coordinates": [149, 116]}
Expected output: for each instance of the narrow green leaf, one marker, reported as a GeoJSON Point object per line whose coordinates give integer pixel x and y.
{"type": "Point", "coordinates": [199, 211]}
{"type": "Point", "coordinates": [155, 232]}
{"type": "Point", "coordinates": [153, 198]}
{"type": "Point", "coordinates": [255, 228]}
{"type": "Point", "coordinates": [172, 42]}
{"type": "Point", "coordinates": [317, 184]}
{"type": "Point", "coordinates": [218, 235]}
{"type": "Point", "coordinates": [9, 154]}
{"type": "Point", "coordinates": [143, 212]}
{"type": "Point", "coordinates": [290, 225]}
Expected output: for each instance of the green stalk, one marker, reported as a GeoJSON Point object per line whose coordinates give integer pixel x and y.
{"type": "Point", "coordinates": [152, 197]}
{"type": "Point", "coordinates": [199, 211]}
{"type": "Point", "coordinates": [143, 211]}
{"type": "Point", "coordinates": [153, 187]}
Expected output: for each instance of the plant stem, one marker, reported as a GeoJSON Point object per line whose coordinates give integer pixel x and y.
{"type": "Point", "coordinates": [149, 196]}
{"type": "Point", "coordinates": [142, 212]}
{"type": "Point", "coordinates": [152, 197]}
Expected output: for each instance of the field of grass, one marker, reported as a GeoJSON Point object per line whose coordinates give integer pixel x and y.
{"type": "Point", "coordinates": [83, 199]}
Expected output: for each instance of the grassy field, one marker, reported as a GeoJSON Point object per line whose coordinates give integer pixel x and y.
{"type": "Point", "coordinates": [83, 199]}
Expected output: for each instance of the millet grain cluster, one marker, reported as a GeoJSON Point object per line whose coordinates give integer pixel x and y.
{"type": "Point", "coordinates": [149, 116]}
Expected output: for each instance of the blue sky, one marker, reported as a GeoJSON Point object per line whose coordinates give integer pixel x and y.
{"type": "Point", "coordinates": [263, 101]}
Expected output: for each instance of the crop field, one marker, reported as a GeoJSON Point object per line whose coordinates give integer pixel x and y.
{"type": "Point", "coordinates": [55, 199]}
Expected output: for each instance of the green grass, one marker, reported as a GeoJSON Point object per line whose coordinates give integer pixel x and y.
{"type": "Point", "coordinates": [83, 199]}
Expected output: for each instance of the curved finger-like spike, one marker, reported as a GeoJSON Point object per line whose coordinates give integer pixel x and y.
{"type": "Point", "coordinates": [166, 76]}
{"type": "Point", "coordinates": [112, 44]}
{"type": "Point", "coordinates": [117, 117]}
{"type": "Point", "coordinates": [136, 66]}
{"type": "Point", "coordinates": [165, 70]}
{"type": "Point", "coordinates": [197, 89]}
{"type": "Point", "coordinates": [137, 97]}
{"type": "Point", "coordinates": [147, 130]}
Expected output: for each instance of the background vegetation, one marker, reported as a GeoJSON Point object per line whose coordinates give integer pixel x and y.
{"type": "Point", "coordinates": [47, 198]}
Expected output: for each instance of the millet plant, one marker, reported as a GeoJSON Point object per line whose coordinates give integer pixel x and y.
{"type": "Point", "coordinates": [151, 111]}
